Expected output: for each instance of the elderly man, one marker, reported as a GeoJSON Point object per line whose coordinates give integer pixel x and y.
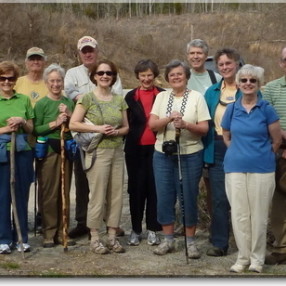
{"type": "Point", "coordinates": [32, 84]}
{"type": "Point", "coordinates": [275, 93]}
{"type": "Point", "coordinates": [78, 83]}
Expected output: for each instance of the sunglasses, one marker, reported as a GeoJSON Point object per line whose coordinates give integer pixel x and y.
{"type": "Point", "coordinates": [251, 80]}
{"type": "Point", "coordinates": [101, 73]}
{"type": "Point", "coordinates": [10, 78]}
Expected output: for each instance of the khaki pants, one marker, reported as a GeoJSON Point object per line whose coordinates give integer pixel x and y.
{"type": "Point", "coordinates": [250, 195]}
{"type": "Point", "coordinates": [49, 176]}
{"type": "Point", "coordinates": [278, 213]}
{"type": "Point", "coordinates": [105, 180]}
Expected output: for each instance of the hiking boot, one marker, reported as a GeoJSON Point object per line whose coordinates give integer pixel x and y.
{"type": "Point", "coordinates": [153, 238]}
{"type": "Point", "coordinates": [48, 243]}
{"type": "Point", "coordinates": [165, 247]}
{"type": "Point", "coordinates": [26, 247]}
{"type": "Point", "coordinates": [275, 258]}
{"type": "Point", "coordinates": [78, 231]}
{"type": "Point", "coordinates": [115, 246]}
{"type": "Point", "coordinates": [237, 268]}
{"type": "Point", "coordinates": [193, 251]}
{"type": "Point", "coordinates": [216, 251]}
{"type": "Point", "coordinates": [134, 238]}
{"type": "Point", "coordinates": [97, 247]}
{"type": "Point", "coordinates": [5, 249]}
{"type": "Point", "coordinates": [255, 268]}
{"type": "Point", "coordinates": [70, 242]}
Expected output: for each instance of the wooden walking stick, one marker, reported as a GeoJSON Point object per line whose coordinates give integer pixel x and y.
{"type": "Point", "coordinates": [12, 190]}
{"type": "Point", "coordinates": [64, 206]}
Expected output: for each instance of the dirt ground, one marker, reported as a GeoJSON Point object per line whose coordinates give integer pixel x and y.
{"type": "Point", "coordinates": [137, 261]}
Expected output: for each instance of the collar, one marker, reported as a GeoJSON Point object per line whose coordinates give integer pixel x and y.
{"type": "Point", "coordinates": [15, 95]}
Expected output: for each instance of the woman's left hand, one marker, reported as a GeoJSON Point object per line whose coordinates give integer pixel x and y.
{"type": "Point", "coordinates": [64, 109]}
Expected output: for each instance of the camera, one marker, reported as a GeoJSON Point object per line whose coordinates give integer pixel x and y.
{"type": "Point", "coordinates": [169, 147]}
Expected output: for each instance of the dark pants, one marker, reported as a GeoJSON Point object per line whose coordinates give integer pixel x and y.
{"type": "Point", "coordinates": [141, 189]}
{"type": "Point", "coordinates": [82, 193]}
{"type": "Point", "coordinates": [220, 223]}
{"type": "Point", "coordinates": [23, 179]}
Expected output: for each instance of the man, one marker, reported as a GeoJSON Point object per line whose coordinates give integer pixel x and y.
{"type": "Point", "coordinates": [275, 93]}
{"type": "Point", "coordinates": [78, 83]}
{"type": "Point", "coordinates": [33, 85]}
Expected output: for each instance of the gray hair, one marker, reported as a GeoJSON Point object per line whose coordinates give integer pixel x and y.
{"type": "Point", "coordinates": [199, 44]}
{"type": "Point", "coordinates": [174, 64]}
{"type": "Point", "coordinates": [250, 70]}
{"type": "Point", "coordinates": [52, 68]}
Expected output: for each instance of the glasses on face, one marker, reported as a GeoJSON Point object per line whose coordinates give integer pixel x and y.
{"type": "Point", "coordinates": [251, 80]}
{"type": "Point", "coordinates": [101, 73]}
{"type": "Point", "coordinates": [9, 78]}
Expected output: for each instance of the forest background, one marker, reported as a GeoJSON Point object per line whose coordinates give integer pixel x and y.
{"type": "Point", "coordinates": [128, 32]}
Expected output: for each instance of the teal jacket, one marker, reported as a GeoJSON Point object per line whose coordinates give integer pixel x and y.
{"type": "Point", "coordinates": [212, 97]}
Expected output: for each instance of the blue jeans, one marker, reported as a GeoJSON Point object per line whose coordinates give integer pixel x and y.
{"type": "Point", "coordinates": [169, 187]}
{"type": "Point", "coordinates": [220, 222]}
{"type": "Point", "coordinates": [23, 178]}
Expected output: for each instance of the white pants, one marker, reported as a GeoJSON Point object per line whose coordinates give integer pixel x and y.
{"type": "Point", "coordinates": [250, 195]}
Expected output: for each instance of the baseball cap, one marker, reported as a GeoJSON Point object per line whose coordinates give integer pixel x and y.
{"type": "Point", "coordinates": [35, 51]}
{"type": "Point", "coordinates": [86, 41]}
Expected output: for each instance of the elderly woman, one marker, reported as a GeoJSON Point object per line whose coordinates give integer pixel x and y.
{"type": "Point", "coordinates": [251, 132]}
{"type": "Point", "coordinates": [51, 113]}
{"type": "Point", "coordinates": [183, 115]}
{"type": "Point", "coordinates": [16, 115]}
{"type": "Point", "coordinates": [107, 112]}
{"type": "Point", "coordinates": [218, 96]}
{"type": "Point", "coordinates": [139, 149]}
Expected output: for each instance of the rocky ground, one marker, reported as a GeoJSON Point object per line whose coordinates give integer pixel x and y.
{"type": "Point", "coordinates": [137, 262]}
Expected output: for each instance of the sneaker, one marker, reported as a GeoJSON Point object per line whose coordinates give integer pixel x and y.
{"type": "Point", "coordinates": [237, 268]}
{"type": "Point", "coordinates": [5, 249]}
{"type": "Point", "coordinates": [97, 247]}
{"type": "Point", "coordinates": [165, 247]}
{"type": "Point", "coordinates": [78, 231]}
{"type": "Point", "coordinates": [153, 238]}
{"type": "Point", "coordinates": [255, 268]}
{"type": "Point", "coordinates": [115, 246]}
{"type": "Point", "coordinates": [134, 238]}
{"type": "Point", "coordinates": [26, 247]}
{"type": "Point", "coordinates": [193, 251]}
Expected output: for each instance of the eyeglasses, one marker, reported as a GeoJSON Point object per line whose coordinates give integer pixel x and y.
{"type": "Point", "coordinates": [251, 80]}
{"type": "Point", "coordinates": [9, 78]}
{"type": "Point", "coordinates": [101, 73]}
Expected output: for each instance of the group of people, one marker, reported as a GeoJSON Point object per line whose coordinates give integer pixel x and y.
{"type": "Point", "coordinates": [219, 126]}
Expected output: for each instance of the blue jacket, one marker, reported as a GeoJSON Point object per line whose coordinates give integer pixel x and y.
{"type": "Point", "coordinates": [212, 97]}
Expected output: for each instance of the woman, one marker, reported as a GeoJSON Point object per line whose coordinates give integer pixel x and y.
{"type": "Point", "coordinates": [218, 96]}
{"type": "Point", "coordinates": [251, 132]}
{"type": "Point", "coordinates": [107, 112]}
{"type": "Point", "coordinates": [185, 113]}
{"type": "Point", "coordinates": [51, 114]}
{"type": "Point", "coordinates": [16, 115]}
{"type": "Point", "coordinates": [139, 149]}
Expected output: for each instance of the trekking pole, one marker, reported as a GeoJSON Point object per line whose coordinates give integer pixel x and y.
{"type": "Point", "coordinates": [178, 133]}
{"type": "Point", "coordinates": [35, 200]}
{"type": "Point", "coordinates": [12, 190]}
{"type": "Point", "coordinates": [64, 206]}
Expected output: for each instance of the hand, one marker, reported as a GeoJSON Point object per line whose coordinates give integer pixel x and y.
{"type": "Point", "coordinates": [109, 130]}
{"type": "Point", "coordinates": [62, 117]}
{"type": "Point", "coordinates": [64, 109]}
{"type": "Point", "coordinates": [15, 122]}
{"type": "Point", "coordinates": [177, 120]}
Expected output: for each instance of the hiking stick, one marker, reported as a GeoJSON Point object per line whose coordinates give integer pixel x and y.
{"type": "Point", "coordinates": [12, 190]}
{"type": "Point", "coordinates": [35, 200]}
{"type": "Point", "coordinates": [64, 206]}
{"type": "Point", "coordinates": [178, 133]}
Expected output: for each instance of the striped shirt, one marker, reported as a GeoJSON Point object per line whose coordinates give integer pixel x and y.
{"type": "Point", "coordinates": [275, 93]}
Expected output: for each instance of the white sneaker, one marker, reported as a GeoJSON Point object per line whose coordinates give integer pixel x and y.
{"type": "Point", "coordinates": [165, 247]}
{"type": "Point", "coordinates": [5, 249]}
{"type": "Point", "coordinates": [255, 268]}
{"type": "Point", "coordinates": [237, 268]}
{"type": "Point", "coordinates": [193, 251]}
{"type": "Point", "coordinates": [153, 238]}
{"type": "Point", "coordinates": [26, 247]}
{"type": "Point", "coordinates": [134, 238]}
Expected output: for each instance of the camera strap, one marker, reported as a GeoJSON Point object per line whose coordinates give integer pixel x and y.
{"type": "Point", "coordinates": [170, 105]}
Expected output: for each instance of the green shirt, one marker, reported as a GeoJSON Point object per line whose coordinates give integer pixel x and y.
{"type": "Point", "coordinates": [111, 114]}
{"type": "Point", "coordinates": [46, 111]}
{"type": "Point", "coordinates": [275, 93]}
{"type": "Point", "coordinates": [18, 105]}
